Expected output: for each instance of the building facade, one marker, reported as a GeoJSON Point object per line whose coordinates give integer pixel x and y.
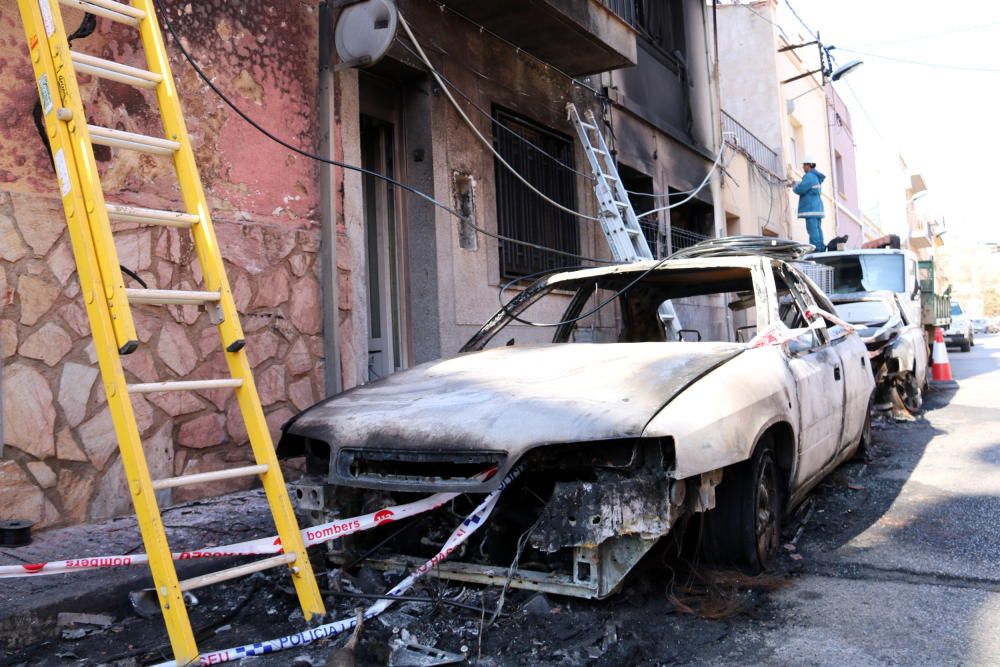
{"type": "Point", "coordinates": [341, 278]}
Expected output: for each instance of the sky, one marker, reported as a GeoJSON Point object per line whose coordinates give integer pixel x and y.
{"type": "Point", "coordinates": [942, 119]}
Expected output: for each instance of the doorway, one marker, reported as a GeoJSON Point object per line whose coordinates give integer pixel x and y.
{"type": "Point", "coordinates": [386, 352]}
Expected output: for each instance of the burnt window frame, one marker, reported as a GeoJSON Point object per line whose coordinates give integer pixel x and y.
{"type": "Point", "coordinates": [666, 36]}
{"type": "Point", "coordinates": [522, 214]}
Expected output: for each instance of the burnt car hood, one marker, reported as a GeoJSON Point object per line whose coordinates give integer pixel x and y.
{"type": "Point", "coordinates": [512, 399]}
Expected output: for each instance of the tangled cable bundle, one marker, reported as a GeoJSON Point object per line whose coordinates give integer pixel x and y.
{"type": "Point", "coordinates": [730, 246]}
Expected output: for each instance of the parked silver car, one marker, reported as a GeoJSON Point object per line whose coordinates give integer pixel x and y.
{"type": "Point", "coordinates": [619, 442]}
{"type": "Point", "coordinates": [960, 332]}
{"type": "Point", "coordinates": [896, 344]}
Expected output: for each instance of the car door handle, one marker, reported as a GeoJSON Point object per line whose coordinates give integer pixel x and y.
{"type": "Point", "coordinates": [836, 373]}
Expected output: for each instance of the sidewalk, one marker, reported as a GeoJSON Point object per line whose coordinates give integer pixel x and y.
{"type": "Point", "coordinates": [29, 605]}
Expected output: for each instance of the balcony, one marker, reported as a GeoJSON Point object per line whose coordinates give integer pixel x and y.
{"type": "Point", "coordinates": [741, 139]}
{"type": "Point", "coordinates": [578, 36]}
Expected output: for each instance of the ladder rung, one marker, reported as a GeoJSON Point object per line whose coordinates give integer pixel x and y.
{"type": "Point", "coordinates": [206, 477]}
{"type": "Point", "coordinates": [151, 216]}
{"type": "Point", "coordinates": [130, 140]}
{"type": "Point", "coordinates": [184, 385]}
{"type": "Point", "coordinates": [116, 11]}
{"type": "Point", "coordinates": [588, 125]}
{"type": "Point", "coordinates": [621, 204]}
{"type": "Point", "coordinates": [235, 572]}
{"type": "Point", "coordinates": [170, 297]}
{"type": "Point", "coordinates": [598, 151]}
{"type": "Point", "coordinates": [631, 232]}
{"type": "Point", "coordinates": [610, 177]}
{"type": "Point", "coordinates": [109, 69]}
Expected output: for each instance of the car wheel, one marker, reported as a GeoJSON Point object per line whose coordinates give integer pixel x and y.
{"type": "Point", "coordinates": [744, 529]}
{"type": "Point", "coordinates": [966, 345]}
{"type": "Point", "coordinates": [907, 393]}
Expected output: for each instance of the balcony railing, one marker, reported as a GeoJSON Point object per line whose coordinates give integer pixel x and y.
{"type": "Point", "coordinates": [682, 238]}
{"type": "Point", "coordinates": [747, 143]}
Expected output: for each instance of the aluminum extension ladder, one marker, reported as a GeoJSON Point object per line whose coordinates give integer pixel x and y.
{"type": "Point", "coordinates": [108, 301]}
{"type": "Point", "coordinates": [618, 220]}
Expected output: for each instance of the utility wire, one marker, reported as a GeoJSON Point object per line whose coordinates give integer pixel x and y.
{"type": "Point", "coordinates": [475, 130]}
{"type": "Point", "coordinates": [498, 124]}
{"type": "Point", "coordinates": [547, 65]}
{"type": "Point", "coordinates": [967, 68]}
{"type": "Point", "coordinates": [318, 158]}
{"type": "Point", "coordinates": [915, 38]}
{"type": "Point", "coordinates": [715, 165]}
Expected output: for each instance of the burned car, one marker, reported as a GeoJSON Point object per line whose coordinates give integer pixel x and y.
{"type": "Point", "coordinates": [895, 343]}
{"type": "Point", "coordinates": [619, 439]}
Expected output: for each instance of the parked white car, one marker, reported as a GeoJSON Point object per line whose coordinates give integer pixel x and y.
{"type": "Point", "coordinates": [960, 332]}
{"type": "Point", "coordinates": [619, 442]}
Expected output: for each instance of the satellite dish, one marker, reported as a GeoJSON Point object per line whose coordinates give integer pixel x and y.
{"type": "Point", "coordinates": [841, 71]}
{"type": "Point", "coordinates": [365, 31]}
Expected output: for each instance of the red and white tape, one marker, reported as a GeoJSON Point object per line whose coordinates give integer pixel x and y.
{"type": "Point", "coordinates": [313, 536]}
{"type": "Point", "coordinates": [460, 535]}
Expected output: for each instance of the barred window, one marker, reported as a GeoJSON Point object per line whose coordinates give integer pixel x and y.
{"type": "Point", "coordinates": [522, 214]}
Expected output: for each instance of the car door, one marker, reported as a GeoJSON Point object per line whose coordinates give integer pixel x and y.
{"type": "Point", "coordinates": [818, 374]}
{"type": "Point", "coordinates": [856, 372]}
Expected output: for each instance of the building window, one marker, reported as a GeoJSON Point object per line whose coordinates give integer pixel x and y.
{"type": "Point", "coordinates": [522, 214]}
{"type": "Point", "coordinates": [660, 22]}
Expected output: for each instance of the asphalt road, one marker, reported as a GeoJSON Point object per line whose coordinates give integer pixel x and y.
{"type": "Point", "coordinates": [892, 561]}
{"type": "Point", "coordinates": [901, 567]}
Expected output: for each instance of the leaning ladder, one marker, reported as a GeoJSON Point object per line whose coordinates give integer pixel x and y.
{"type": "Point", "coordinates": [108, 302]}
{"type": "Point", "coordinates": [618, 219]}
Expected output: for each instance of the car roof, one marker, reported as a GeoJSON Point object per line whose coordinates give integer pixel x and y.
{"type": "Point", "coordinates": [861, 251]}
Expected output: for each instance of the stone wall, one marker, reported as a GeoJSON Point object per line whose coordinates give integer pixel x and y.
{"type": "Point", "coordinates": [60, 464]}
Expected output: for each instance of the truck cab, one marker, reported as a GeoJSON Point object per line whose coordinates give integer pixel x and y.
{"type": "Point", "coordinates": [876, 270]}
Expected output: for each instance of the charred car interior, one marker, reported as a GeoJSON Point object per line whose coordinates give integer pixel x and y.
{"type": "Point", "coordinates": [618, 442]}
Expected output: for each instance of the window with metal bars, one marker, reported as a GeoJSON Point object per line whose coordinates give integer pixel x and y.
{"type": "Point", "coordinates": [522, 214]}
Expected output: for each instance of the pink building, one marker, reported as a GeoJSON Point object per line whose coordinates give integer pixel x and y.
{"type": "Point", "coordinates": [844, 170]}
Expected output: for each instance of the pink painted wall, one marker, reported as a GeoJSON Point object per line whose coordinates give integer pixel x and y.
{"type": "Point", "coordinates": [60, 463]}
{"type": "Point", "coordinates": [842, 139]}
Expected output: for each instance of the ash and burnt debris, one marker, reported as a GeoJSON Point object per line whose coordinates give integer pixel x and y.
{"type": "Point", "coordinates": [576, 522]}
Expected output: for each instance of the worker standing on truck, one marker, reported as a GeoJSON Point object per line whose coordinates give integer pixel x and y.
{"type": "Point", "coordinates": [811, 202]}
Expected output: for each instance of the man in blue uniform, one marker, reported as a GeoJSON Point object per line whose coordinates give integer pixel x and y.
{"type": "Point", "coordinates": [811, 202]}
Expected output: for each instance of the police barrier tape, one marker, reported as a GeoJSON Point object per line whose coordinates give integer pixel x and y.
{"type": "Point", "coordinates": [471, 523]}
{"type": "Point", "coordinates": [313, 536]}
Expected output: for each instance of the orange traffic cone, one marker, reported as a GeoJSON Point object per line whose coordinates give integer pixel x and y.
{"type": "Point", "coordinates": [940, 368]}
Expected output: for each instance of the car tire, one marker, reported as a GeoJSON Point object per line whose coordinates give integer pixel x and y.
{"type": "Point", "coordinates": [744, 529]}
{"type": "Point", "coordinates": [966, 345]}
{"type": "Point", "coordinates": [908, 393]}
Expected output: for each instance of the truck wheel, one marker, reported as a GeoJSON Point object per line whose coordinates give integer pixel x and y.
{"type": "Point", "coordinates": [744, 529]}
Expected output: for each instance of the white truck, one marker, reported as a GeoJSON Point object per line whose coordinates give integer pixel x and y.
{"type": "Point", "coordinates": [891, 297]}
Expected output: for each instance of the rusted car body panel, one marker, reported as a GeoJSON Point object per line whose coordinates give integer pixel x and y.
{"type": "Point", "coordinates": [617, 442]}
{"type": "Point", "coordinates": [896, 344]}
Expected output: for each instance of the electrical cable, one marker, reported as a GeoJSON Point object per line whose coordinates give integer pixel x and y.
{"type": "Point", "coordinates": [731, 246]}
{"type": "Point", "coordinates": [905, 61]}
{"type": "Point", "coordinates": [549, 66]}
{"type": "Point", "coordinates": [698, 189]}
{"type": "Point", "coordinates": [475, 130]}
{"type": "Point", "coordinates": [318, 158]}
{"type": "Point", "coordinates": [497, 123]}
{"type": "Point", "coordinates": [505, 307]}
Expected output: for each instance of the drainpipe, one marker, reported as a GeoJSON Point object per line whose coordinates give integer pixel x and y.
{"type": "Point", "coordinates": [715, 106]}
{"type": "Point", "coordinates": [328, 207]}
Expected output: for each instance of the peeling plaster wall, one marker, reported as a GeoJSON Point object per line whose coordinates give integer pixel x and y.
{"type": "Point", "coordinates": [60, 464]}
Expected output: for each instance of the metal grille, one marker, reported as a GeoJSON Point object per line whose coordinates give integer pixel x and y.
{"type": "Point", "coordinates": [747, 143]}
{"type": "Point", "coordinates": [682, 238]}
{"type": "Point", "coordinates": [820, 274]}
{"type": "Point", "coordinates": [523, 215]}
{"type": "Point", "coordinates": [659, 21]}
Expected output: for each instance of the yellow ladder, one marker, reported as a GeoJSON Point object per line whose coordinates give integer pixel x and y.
{"type": "Point", "coordinates": [108, 302]}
